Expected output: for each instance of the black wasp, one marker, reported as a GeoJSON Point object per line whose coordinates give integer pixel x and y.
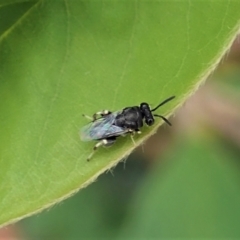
{"type": "Point", "coordinates": [106, 126]}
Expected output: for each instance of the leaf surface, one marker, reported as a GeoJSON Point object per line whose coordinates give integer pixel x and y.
{"type": "Point", "coordinates": [60, 59]}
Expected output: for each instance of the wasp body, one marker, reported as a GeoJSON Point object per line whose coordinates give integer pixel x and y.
{"type": "Point", "coordinates": [110, 125]}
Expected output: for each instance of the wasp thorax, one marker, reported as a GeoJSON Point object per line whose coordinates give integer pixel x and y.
{"type": "Point", "coordinates": [130, 117]}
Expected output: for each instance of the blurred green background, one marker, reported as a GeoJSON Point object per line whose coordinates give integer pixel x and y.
{"type": "Point", "coordinates": [184, 182]}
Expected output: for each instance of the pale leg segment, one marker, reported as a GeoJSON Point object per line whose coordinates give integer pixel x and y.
{"type": "Point", "coordinates": [101, 114]}
{"type": "Point", "coordinates": [103, 142]}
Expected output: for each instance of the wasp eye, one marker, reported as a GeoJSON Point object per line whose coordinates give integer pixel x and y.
{"type": "Point", "coordinates": [149, 121]}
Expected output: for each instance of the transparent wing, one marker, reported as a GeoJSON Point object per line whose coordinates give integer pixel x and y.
{"type": "Point", "coordinates": [101, 128]}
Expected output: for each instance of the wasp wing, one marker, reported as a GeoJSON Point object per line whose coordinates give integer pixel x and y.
{"type": "Point", "coordinates": [101, 128]}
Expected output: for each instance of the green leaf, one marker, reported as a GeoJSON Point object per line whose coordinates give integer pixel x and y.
{"type": "Point", "coordinates": [195, 195]}
{"type": "Point", "coordinates": [60, 59]}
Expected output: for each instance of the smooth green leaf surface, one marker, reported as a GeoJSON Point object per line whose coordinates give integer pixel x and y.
{"type": "Point", "coordinates": [60, 59]}
{"type": "Point", "coordinates": [195, 196]}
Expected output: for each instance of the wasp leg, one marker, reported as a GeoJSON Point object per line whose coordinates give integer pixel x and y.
{"type": "Point", "coordinates": [134, 143]}
{"type": "Point", "coordinates": [138, 131]}
{"type": "Point", "coordinates": [132, 133]}
{"type": "Point", "coordinates": [104, 142]}
{"type": "Point", "coordinates": [100, 113]}
{"type": "Point", "coordinates": [88, 117]}
{"type": "Point", "coordinates": [95, 115]}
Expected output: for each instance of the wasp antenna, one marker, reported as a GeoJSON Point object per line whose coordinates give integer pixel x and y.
{"type": "Point", "coordinates": [163, 118]}
{"type": "Point", "coordinates": [162, 103]}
